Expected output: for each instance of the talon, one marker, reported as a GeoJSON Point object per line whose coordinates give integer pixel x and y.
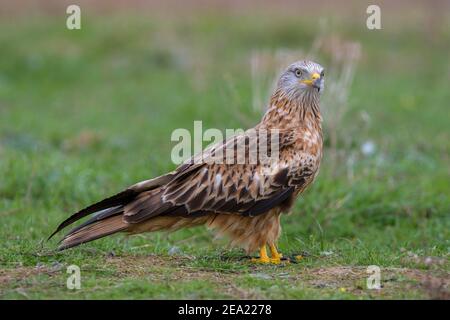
{"type": "Point", "coordinates": [263, 257]}
{"type": "Point", "coordinates": [261, 260]}
{"type": "Point", "coordinates": [275, 260]}
{"type": "Point", "coordinates": [277, 256]}
{"type": "Point", "coordinates": [274, 252]}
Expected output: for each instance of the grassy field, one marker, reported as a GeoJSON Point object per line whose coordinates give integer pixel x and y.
{"type": "Point", "coordinates": [84, 114]}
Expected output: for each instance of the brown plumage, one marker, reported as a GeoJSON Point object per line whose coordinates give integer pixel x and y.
{"type": "Point", "coordinates": [240, 199]}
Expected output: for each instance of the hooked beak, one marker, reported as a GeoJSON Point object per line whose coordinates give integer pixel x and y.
{"type": "Point", "coordinates": [314, 81]}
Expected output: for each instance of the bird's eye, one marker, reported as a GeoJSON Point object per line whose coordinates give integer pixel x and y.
{"type": "Point", "coordinates": [322, 74]}
{"type": "Point", "coordinates": [298, 73]}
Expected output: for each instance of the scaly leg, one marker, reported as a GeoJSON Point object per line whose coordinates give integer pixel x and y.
{"type": "Point", "coordinates": [276, 256]}
{"type": "Point", "coordinates": [263, 257]}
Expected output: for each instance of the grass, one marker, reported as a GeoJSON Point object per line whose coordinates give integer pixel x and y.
{"type": "Point", "coordinates": [84, 114]}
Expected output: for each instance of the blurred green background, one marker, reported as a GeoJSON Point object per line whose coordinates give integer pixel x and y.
{"type": "Point", "coordinates": [85, 113]}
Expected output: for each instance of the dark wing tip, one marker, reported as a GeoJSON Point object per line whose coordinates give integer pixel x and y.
{"type": "Point", "coordinates": [54, 232]}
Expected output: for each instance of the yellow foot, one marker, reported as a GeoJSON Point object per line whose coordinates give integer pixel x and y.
{"type": "Point", "coordinates": [266, 260]}
{"type": "Point", "coordinates": [263, 257]}
{"type": "Point", "coordinates": [274, 253]}
{"type": "Point", "coordinates": [277, 256]}
{"type": "Point", "coordinates": [275, 260]}
{"type": "Point", "coordinates": [261, 260]}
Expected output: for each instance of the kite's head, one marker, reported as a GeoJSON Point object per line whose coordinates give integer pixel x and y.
{"type": "Point", "coordinates": [302, 77]}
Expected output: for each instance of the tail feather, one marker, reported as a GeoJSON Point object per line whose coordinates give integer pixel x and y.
{"type": "Point", "coordinates": [108, 215]}
{"type": "Point", "coordinates": [119, 199]}
{"type": "Point", "coordinates": [101, 215]}
{"type": "Point", "coordinates": [93, 231]}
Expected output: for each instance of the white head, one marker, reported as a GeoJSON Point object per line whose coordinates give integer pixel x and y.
{"type": "Point", "coordinates": [302, 79]}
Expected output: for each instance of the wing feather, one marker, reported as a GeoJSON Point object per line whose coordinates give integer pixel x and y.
{"type": "Point", "coordinates": [246, 189]}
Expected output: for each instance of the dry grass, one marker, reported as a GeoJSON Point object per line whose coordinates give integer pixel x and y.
{"type": "Point", "coordinates": [178, 269]}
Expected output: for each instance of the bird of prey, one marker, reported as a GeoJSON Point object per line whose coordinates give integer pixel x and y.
{"type": "Point", "coordinates": [241, 200]}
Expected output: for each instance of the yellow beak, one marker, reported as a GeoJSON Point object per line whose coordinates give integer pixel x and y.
{"type": "Point", "coordinates": [311, 82]}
